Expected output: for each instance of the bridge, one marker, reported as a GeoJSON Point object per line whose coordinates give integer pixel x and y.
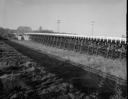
{"type": "Point", "coordinates": [108, 47]}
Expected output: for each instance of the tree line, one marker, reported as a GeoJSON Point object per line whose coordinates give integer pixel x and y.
{"type": "Point", "coordinates": [6, 33]}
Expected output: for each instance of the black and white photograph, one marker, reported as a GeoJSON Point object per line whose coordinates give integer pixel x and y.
{"type": "Point", "coordinates": [63, 49]}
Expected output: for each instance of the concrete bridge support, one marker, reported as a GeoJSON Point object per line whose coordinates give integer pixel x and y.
{"type": "Point", "coordinates": [26, 37]}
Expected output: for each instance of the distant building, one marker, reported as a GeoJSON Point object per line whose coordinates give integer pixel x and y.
{"type": "Point", "coordinates": [40, 28]}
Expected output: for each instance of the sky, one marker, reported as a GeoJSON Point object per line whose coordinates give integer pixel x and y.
{"type": "Point", "coordinates": [108, 16]}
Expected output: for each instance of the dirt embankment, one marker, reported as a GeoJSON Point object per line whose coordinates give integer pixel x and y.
{"type": "Point", "coordinates": [81, 79]}
{"type": "Point", "coordinates": [114, 67]}
{"type": "Point", "coordinates": [21, 77]}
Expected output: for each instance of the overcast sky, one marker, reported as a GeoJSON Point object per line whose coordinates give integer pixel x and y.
{"type": "Point", "coordinates": [109, 16]}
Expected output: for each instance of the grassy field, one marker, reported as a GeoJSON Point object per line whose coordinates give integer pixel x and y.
{"type": "Point", "coordinates": [115, 67]}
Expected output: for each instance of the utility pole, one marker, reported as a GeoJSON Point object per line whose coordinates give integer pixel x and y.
{"type": "Point", "coordinates": [92, 24]}
{"type": "Point", "coordinates": [58, 25]}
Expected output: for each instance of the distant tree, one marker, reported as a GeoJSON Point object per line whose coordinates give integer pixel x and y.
{"type": "Point", "coordinates": [23, 29]}
{"type": "Point", "coordinates": [6, 33]}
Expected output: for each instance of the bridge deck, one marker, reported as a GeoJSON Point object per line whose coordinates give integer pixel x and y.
{"type": "Point", "coordinates": [109, 66]}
